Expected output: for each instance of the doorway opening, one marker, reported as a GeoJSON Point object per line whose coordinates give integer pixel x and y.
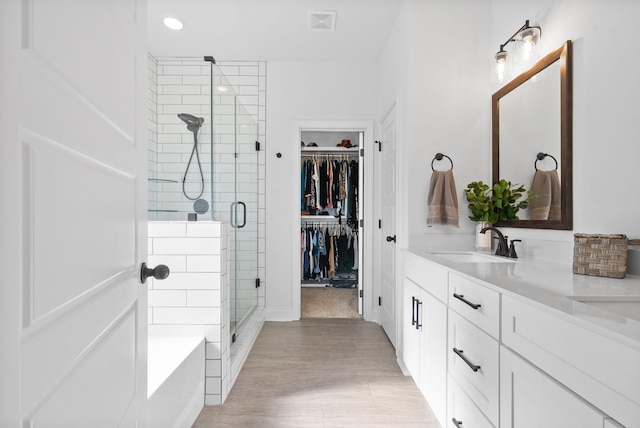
{"type": "Point", "coordinates": [332, 205]}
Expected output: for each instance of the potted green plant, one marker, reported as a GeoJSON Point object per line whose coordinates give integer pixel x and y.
{"type": "Point", "coordinates": [488, 205]}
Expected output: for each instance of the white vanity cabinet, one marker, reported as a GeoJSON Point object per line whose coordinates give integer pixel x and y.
{"type": "Point", "coordinates": [491, 347]}
{"type": "Point", "coordinates": [602, 371]}
{"type": "Point", "coordinates": [529, 398]}
{"type": "Point", "coordinates": [425, 330]}
{"type": "Point", "coordinates": [473, 348]}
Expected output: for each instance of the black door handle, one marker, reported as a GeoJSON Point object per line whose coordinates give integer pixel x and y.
{"type": "Point", "coordinates": [391, 238]}
{"type": "Point", "coordinates": [159, 272]}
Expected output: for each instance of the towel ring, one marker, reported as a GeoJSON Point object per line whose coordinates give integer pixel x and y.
{"type": "Point", "coordinates": [439, 157]}
{"type": "Point", "coordinates": [541, 156]}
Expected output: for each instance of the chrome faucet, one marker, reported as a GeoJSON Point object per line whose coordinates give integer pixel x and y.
{"type": "Point", "coordinates": [503, 249]}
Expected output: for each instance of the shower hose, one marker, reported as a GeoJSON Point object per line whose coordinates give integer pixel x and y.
{"type": "Point", "coordinates": [186, 171]}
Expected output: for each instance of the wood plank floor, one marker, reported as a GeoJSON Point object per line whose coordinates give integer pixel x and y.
{"type": "Point", "coordinates": [322, 373]}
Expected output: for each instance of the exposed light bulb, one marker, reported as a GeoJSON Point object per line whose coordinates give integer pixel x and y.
{"type": "Point", "coordinates": [528, 44]}
{"type": "Point", "coordinates": [500, 71]}
{"type": "Point", "coordinates": [527, 53]}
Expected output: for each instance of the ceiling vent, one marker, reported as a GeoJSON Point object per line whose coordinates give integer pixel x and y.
{"type": "Point", "coordinates": [322, 20]}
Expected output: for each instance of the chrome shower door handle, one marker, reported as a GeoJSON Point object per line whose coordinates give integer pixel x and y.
{"type": "Point", "coordinates": [233, 215]}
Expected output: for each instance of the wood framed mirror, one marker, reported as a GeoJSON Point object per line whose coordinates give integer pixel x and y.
{"type": "Point", "coordinates": [531, 115]}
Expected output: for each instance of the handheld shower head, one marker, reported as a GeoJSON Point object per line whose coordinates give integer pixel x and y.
{"type": "Point", "coordinates": [193, 123]}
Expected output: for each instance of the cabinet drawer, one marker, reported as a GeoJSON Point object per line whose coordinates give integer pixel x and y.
{"type": "Point", "coordinates": [428, 276]}
{"type": "Point", "coordinates": [603, 371]}
{"type": "Point", "coordinates": [475, 302]}
{"type": "Point", "coordinates": [461, 409]}
{"type": "Point", "coordinates": [531, 399]}
{"type": "Point", "coordinates": [473, 363]}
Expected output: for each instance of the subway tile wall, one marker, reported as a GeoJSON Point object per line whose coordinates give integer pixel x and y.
{"type": "Point", "coordinates": [195, 295]}
{"type": "Point", "coordinates": [152, 136]}
{"type": "Point", "coordinates": [182, 85]}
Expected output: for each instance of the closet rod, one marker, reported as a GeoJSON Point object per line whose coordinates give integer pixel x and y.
{"type": "Point", "coordinates": [329, 156]}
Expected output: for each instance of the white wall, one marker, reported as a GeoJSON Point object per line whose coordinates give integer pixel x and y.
{"type": "Point", "coordinates": [606, 118]}
{"type": "Point", "coordinates": [434, 64]}
{"type": "Point", "coordinates": [301, 91]}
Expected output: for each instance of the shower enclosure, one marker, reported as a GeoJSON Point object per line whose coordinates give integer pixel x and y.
{"type": "Point", "coordinates": [203, 166]}
{"type": "Point", "coordinates": [235, 192]}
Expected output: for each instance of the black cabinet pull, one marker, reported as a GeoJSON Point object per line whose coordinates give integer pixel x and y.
{"type": "Point", "coordinates": [418, 325]}
{"type": "Point", "coordinates": [413, 310]}
{"type": "Point", "coordinates": [461, 297]}
{"type": "Point", "coordinates": [456, 422]}
{"type": "Point", "coordinates": [460, 353]}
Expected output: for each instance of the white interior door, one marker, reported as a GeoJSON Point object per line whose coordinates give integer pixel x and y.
{"type": "Point", "coordinates": [79, 158]}
{"type": "Point", "coordinates": [388, 222]}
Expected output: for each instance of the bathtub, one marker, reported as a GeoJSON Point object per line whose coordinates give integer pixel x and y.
{"type": "Point", "coordinates": [175, 380]}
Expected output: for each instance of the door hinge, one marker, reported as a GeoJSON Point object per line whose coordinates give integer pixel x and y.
{"type": "Point", "coordinates": [257, 282]}
{"type": "Point", "coordinates": [233, 338]}
{"type": "Point", "coordinates": [361, 152]}
{"type": "Point", "coordinates": [379, 223]}
{"type": "Point", "coordinates": [361, 223]}
{"type": "Point", "coordinates": [379, 143]}
{"type": "Point", "coordinates": [361, 294]}
{"type": "Point", "coordinates": [379, 300]}
{"type": "Point", "coordinates": [257, 146]}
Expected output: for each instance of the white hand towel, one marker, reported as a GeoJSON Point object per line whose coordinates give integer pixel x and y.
{"type": "Point", "coordinates": [442, 199]}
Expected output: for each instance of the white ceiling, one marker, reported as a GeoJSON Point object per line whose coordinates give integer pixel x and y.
{"type": "Point", "coordinates": [271, 30]}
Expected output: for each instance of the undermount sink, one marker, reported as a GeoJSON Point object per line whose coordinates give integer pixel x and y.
{"type": "Point", "coordinates": [472, 257]}
{"type": "Point", "coordinates": [626, 306]}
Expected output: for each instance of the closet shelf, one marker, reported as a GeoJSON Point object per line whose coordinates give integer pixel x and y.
{"type": "Point", "coordinates": [322, 218]}
{"type": "Point", "coordinates": [329, 149]}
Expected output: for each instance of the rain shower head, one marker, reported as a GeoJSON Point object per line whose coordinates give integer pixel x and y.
{"type": "Point", "coordinates": [193, 123]}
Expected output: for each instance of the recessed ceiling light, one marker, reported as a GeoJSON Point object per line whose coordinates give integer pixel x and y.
{"type": "Point", "coordinates": [173, 23]}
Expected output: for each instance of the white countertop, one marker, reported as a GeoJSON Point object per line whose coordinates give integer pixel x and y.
{"type": "Point", "coordinates": [555, 287]}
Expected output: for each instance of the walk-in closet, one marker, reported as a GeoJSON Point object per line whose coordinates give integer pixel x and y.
{"type": "Point", "coordinates": [330, 223]}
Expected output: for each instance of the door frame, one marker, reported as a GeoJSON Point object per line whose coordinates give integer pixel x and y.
{"type": "Point", "coordinates": [393, 109]}
{"type": "Point", "coordinates": [10, 214]}
{"type": "Point", "coordinates": [366, 187]}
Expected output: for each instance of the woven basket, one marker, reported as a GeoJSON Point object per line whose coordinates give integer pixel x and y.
{"type": "Point", "coordinates": [600, 255]}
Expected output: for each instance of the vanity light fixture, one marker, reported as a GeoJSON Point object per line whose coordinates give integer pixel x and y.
{"type": "Point", "coordinates": [525, 55]}
{"type": "Point", "coordinates": [173, 23]}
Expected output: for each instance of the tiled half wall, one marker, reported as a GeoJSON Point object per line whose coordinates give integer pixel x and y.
{"type": "Point", "coordinates": [194, 299]}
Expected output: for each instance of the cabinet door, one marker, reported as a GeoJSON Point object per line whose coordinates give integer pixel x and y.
{"type": "Point", "coordinates": [473, 363]}
{"type": "Point", "coordinates": [411, 334]}
{"type": "Point", "coordinates": [433, 368]}
{"type": "Point", "coordinates": [529, 398]}
{"type": "Point", "coordinates": [462, 412]}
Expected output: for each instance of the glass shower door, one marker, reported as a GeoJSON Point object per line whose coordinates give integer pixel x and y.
{"type": "Point", "coordinates": [244, 221]}
{"type": "Point", "coordinates": [235, 194]}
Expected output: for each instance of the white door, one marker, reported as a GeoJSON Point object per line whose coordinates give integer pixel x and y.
{"type": "Point", "coordinates": [76, 313]}
{"type": "Point", "coordinates": [388, 293]}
